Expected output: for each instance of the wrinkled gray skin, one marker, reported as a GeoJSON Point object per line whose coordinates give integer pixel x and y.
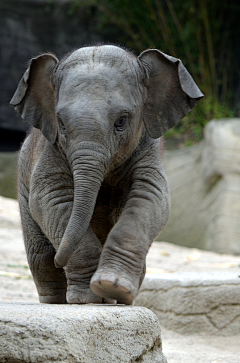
{"type": "Point", "coordinates": [91, 181]}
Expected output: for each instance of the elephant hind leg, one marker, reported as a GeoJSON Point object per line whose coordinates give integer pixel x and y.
{"type": "Point", "coordinates": [51, 282]}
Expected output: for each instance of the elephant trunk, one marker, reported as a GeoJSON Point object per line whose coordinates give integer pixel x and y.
{"type": "Point", "coordinates": [88, 174]}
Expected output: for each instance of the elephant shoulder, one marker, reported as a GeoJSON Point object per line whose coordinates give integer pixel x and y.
{"type": "Point", "coordinates": [34, 150]}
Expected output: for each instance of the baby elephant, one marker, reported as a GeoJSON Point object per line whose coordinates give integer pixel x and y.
{"type": "Point", "coordinates": [92, 189]}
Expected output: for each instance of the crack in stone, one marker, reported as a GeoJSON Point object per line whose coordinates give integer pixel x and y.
{"type": "Point", "coordinates": [227, 324]}
{"type": "Point", "coordinates": [180, 314]}
{"type": "Point", "coordinates": [155, 310]}
{"type": "Point", "coordinates": [157, 343]}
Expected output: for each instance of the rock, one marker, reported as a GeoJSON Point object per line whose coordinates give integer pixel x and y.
{"type": "Point", "coordinates": [221, 175]}
{"type": "Point", "coordinates": [194, 302]}
{"type": "Point", "coordinates": [204, 183]}
{"type": "Point", "coordinates": [78, 333]}
{"type": "Point", "coordinates": [221, 152]}
{"type": "Point", "coordinates": [187, 191]}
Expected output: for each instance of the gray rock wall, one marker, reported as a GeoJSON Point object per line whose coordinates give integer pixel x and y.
{"type": "Point", "coordinates": [190, 303]}
{"type": "Point", "coordinates": [204, 183]}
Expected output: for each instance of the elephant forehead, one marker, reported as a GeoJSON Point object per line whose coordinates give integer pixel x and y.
{"type": "Point", "coordinates": [96, 84]}
{"type": "Point", "coordinates": [107, 54]}
{"type": "Point", "coordinates": [92, 81]}
{"type": "Point", "coordinates": [106, 66]}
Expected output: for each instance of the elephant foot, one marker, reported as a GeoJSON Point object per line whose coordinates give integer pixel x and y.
{"type": "Point", "coordinates": [53, 299]}
{"type": "Point", "coordinates": [111, 285]}
{"type": "Point", "coordinates": [75, 295]}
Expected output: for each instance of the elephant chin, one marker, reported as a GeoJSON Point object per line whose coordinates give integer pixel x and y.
{"type": "Point", "coordinates": [88, 178]}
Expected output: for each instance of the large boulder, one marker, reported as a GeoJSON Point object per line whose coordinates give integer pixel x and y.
{"type": "Point", "coordinates": [204, 183]}
{"type": "Point", "coordinates": [79, 333]}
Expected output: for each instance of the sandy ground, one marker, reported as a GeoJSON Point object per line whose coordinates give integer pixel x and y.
{"type": "Point", "coordinates": [16, 284]}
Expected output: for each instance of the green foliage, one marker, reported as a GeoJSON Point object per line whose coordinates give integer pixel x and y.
{"type": "Point", "coordinates": [202, 33]}
{"type": "Point", "coordinates": [25, 267]}
{"type": "Point", "coordinates": [8, 175]}
{"type": "Point", "coordinates": [192, 124]}
{"type": "Point", "coordinates": [48, 6]}
{"type": "Point", "coordinates": [74, 7]}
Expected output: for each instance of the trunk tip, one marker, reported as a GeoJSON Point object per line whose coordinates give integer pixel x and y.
{"type": "Point", "coordinates": [58, 263]}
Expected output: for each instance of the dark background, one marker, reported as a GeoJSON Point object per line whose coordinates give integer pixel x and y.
{"type": "Point", "coordinates": [27, 29]}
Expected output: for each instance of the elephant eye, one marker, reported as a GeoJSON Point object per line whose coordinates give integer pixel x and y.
{"type": "Point", "coordinates": [119, 124]}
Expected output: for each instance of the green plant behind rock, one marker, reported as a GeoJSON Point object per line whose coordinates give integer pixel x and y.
{"type": "Point", "coordinates": [193, 124]}
{"type": "Point", "coordinates": [8, 175]}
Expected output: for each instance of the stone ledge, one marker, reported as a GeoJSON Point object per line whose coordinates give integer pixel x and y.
{"type": "Point", "coordinates": [194, 302]}
{"type": "Point", "coordinates": [78, 333]}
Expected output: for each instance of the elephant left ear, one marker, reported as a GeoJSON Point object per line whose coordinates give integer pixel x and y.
{"type": "Point", "coordinates": [34, 97]}
{"type": "Point", "coordinates": [172, 92]}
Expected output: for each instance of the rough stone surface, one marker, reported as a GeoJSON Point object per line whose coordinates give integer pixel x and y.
{"type": "Point", "coordinates": [204, 183]}
{"type": "Point", "coordinates": [221, 175]}
{"type": "Point", "coordinates": [194, 302]}
{"type": "Point", "coordinates": [187, 190]}
{"type": "Point", "coordinates": [78, 333]}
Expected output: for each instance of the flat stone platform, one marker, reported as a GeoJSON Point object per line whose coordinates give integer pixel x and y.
{"type": "Point", "coordinates": [33, 333]}
{"type": "Point", "coordinates": [190, 303]}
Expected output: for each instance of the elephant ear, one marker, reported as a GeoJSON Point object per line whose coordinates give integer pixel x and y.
{"type": "Point", "coordinates": [172, 92]}
{"type": "Point", "coordinates": [34, 98]}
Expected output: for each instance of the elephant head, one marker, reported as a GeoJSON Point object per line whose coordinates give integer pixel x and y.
{"type": "Point", "coordinates": [94, 106]}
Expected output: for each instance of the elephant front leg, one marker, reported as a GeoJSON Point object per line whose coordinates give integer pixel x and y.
{"type": "Point", "coordinates": [80, 269]}
{"type": "Point", "coordinates": [121, 267]}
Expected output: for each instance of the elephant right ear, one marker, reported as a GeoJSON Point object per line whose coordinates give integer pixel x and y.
{"type": "Point", "coordinates": [34, 97]}
{"type": "Point", "coordinates": [172, 92]}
